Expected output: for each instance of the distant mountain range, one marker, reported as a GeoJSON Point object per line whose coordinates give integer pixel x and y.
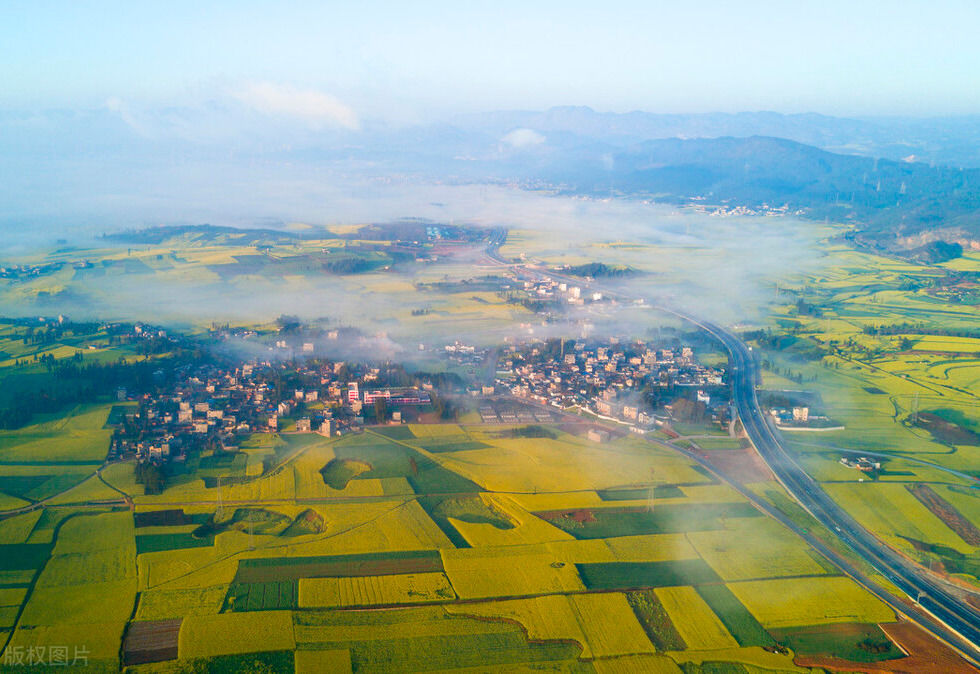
{"type": "Point", "coordinates": [893, 205]}
{"type": "Point", "coordinates": [898, 205]}
{"type": "Point", "coordinates": [953, 141]}
{"type": "Point", "coordinates": [902, 183]}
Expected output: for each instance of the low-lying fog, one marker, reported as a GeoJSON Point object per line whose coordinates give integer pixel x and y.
{"type": "Point", "coordinates": [723, 267]}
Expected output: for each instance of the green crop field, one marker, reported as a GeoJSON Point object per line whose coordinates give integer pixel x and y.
{"type": "Point", "coordinates": [737, 620]}
{"type": "Point", "coordinates": [79, 437]}
{"type": "Point", "coordinates": [858, 642]}
{"type": "Point", "coordinates": [629, 575]}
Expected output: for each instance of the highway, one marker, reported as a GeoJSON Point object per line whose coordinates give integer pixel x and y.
{"type": "Point", "coordinates": [950, 617]}
{"type": "Point", "coordinates": [936, 608]}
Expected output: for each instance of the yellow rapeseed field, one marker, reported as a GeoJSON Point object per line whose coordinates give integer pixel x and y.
{"type": "Point", "coordinates": [527, 528]}
{"type": "Point", "coordinates": [315, 662]}
{"type": "Point", "coordinates": [789, 602]}
{"type": "Point", "coordinates": [609, 625]}
{"type": "Point", "coordinates": [651, 548]}
{"type": "Point", "coordinates": [513, 571]}
{"type": "Point", "coordinates": [204, 636]}
{"type": "Point", "coordinates": [760, 548]}
{"type": "Point", "coordinates": [697, 624]}
{"type": "Point", "coordinates": [163, 604]}
{"type": "Point", "coordinates": [891, 510]}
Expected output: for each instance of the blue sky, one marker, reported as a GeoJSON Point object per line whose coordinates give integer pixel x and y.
{"type": "Point", "coordinates": [405, 59]}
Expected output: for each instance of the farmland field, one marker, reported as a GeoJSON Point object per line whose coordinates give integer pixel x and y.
{"type": "Point", "coordinates": [749, 549]}
{"type": "Point", "coordinates": [694, 620]}
{"type": "Point", "coordinates": [627, 575]}
{"type": "Point", "coordinates": [857, 642]}
{"type": "Point", "coordinates": [415, 545]}
{"type": "Point", "coordinates": [890, 351]}
{"type": "Point", "coordinates": [736, 618]}
{"type": "Point", "coordinates": [365, 590]}
{"type": "Point", "coordinates": [627, 521]}
{"type": "Point", "coordinates": [812, 601]}
{"type": "Point", "coordinates": [79, 437]}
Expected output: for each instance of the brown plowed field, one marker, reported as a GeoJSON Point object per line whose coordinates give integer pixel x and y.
{"type": "Point", "coordinates": [946, 511]}
{"type": "Point", "coordinates": [926, 655]}
{"type": "Point", "coordinates": [151, 641]}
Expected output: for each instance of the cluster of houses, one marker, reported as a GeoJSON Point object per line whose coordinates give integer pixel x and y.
{"type": "Point", "coordinates": [862, 463]}
{"type": "Point", "coordinates": [801, 418]}
{"type": "Point", "coordinates": [25, 271]}
{"type": "Point", "coordinates": [604, 377]}
{"type": "Point", "coordinates": [548, 289]}
{"type": "Point", "coordinates": [762, 209]}
{"type": "Point", "coordinates": [215, 407]}
{"type": "Point", "coordinates": [797, 415]}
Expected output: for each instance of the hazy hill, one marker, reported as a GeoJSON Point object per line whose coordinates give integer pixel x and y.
{"type": "Point", "coordinates": [953, 141]}
{"type": "Point", "coordinates": [886, 199]}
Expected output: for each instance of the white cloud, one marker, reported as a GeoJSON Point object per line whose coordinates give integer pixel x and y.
{"type": "Point", "coordinates": [523, 138]}
{"type": "Point", "coordinates": [313, 106]}
{"type": "Point", "coordinates": [121, 108]}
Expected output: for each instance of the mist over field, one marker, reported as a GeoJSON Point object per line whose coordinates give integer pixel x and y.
{"type": "Point", "coordinates": [717, 265]}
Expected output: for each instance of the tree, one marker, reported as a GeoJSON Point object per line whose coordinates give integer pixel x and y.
{"type": "Point", "coordinates": [151, 476]}
{"type": "Point", "coordinates": [381, 409]}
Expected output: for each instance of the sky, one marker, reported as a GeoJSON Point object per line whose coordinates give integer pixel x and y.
{"type": "Point", "coordinates": [413, 60]}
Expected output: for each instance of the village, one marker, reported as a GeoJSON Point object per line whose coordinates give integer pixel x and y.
{"type": "Point", "coordinates": [615, 380]}
{"type": "Point", "coordinates": [213, 406]}
{"type": "Point", "coordinates": [630, 382]}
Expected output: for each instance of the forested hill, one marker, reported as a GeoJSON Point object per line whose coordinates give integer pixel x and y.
{"type": "Point", "coordinates": [885, 199]}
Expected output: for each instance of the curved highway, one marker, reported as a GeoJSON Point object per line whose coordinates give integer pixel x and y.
{"type": "Point", "coordinates": [952, 619]}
